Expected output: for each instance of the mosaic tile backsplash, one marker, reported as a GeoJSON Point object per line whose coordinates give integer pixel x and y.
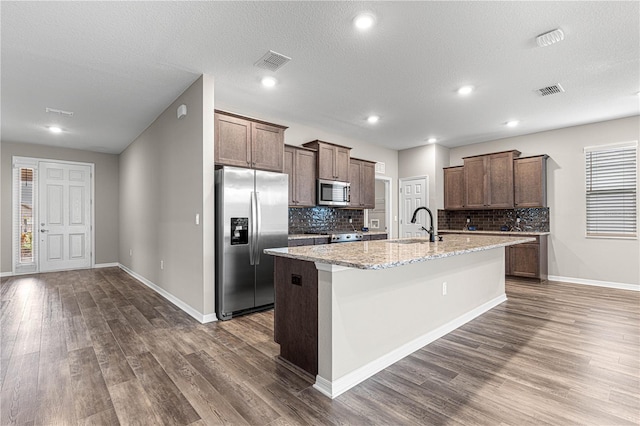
{"type": "Point", "coordinates": [531, 220]}
{"type": "Point", "coordinates": [324, 219]}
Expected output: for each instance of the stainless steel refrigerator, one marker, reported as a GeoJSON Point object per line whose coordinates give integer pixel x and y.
{"type": "Point", "coordinates": [251, 215]}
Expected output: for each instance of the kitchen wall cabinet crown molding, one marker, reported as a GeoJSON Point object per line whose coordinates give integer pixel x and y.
{"type": "Point", "coordinates": [246, 142]}
{"type": "Point", "coordinates": [333, 160]}
{"type": "Point", "coordinates": [362, 175]}
{"type": "Point", "coordinates": [300, 165]}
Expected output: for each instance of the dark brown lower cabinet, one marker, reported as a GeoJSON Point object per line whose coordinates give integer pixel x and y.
{"type": "Point", "coordinates": [296, 312]}
{"type": "Point", "coordinates": [528, 260]}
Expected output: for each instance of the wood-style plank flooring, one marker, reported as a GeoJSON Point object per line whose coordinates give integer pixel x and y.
{"type": "Point", "coordinates": [98, 347]}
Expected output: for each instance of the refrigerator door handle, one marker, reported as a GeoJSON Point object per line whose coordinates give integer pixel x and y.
{"type": "Point", "coordinates": [252, 230]}
{"type": "Point", "coordinates": [256, 256]}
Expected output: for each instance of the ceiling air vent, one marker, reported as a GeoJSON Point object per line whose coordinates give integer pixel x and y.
{"type": "Point", "coordinates": [550, 90]}
{"type": "Point", "coordinates": [272, 61]}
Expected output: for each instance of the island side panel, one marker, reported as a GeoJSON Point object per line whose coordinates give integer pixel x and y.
{"type": "Point", "coordinates": [296, 312]}
{"type": "Point", "coordinates": [368, 316]}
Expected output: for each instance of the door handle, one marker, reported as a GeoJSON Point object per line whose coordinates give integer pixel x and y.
{"type": "Point", "coordinates": [44, 230]}
{"type": "Point", "coordinates": [252, 227]}
{"type": "Point", "coordinates": [256, 257]}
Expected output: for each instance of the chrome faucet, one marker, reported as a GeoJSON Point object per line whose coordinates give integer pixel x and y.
{"type": "Point", "coordinates": [432, 234]}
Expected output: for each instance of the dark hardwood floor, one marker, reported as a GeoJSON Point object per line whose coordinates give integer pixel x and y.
{"type": "Point", "coordinates": [98, 347]}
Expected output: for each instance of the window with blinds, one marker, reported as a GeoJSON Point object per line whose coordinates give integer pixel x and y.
{"type": "Point", "coordinates": [25, 241]}
{"type": "Point", "coordinates": [611, 190]}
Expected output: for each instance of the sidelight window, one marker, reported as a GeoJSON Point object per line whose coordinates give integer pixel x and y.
{"type": "Point", "coordinates": [611, 190]}
{"type": "Point", "coordinates": [24, 216]}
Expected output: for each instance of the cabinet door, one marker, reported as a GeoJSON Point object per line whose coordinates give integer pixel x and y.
{"type": "Point", "coordinates": [378, 237]}
{"type": "Point", "coordinates": [267, 147]}
{"type": "Point", "coordinates": [530, 182]}
{"type": "Point", "coordinates": [500, 180]}
{"type": "Point", "coordinates": [355, 170]}
{"type": "Point", "coordinates": [474, 183]}
{"type": "Point", "coordinates": [326, 162]}
{"type": "Point", "coordinates": [232, 143]}
{"type": "Point", "coordinates": [524, 260]}
{"type": "Point", "coordinates": [305, 178]}
{"type": "Point", "coordinates": [288, 168]}
{"type": "Point", "coordinates": [453, 188]}
{"type": "Point", "coordinates": [368, 185]}
{"type": "Point", "coordinates": [341, 170]}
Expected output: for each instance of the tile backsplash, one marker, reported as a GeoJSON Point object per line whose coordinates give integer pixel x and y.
{"type": "Point", "coordinates": [531, 220]}
{"type": "Point", "coordinates": [324, 219]}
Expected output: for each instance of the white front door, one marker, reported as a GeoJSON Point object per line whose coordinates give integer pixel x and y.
{"type": "Point", "coordinates": [413, 194]}
{"type": "Point", "coordinates": [64, 216]}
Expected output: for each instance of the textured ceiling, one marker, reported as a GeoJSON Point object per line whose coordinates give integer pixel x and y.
{"type": "Point", "coordinates": [117, 65]}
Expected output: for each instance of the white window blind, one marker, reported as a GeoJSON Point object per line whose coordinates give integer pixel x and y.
{"type": "Point", "coordinates": [611, 190]}
{"type": "Point", "coordinates": [25, 244]}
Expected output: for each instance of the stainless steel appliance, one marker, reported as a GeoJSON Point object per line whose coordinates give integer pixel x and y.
{"type": "Point", "coordinates": [251, 215]}
{"type": "Point", "coordinates": [346, 237]}
{"type": "Point", "coordinates": [333, 193]}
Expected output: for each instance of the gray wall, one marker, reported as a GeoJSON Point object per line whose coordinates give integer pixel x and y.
{"type": "Point", "coordinates": [106, 195]}
{"type": "Point", "coordinates": [571, 254]}
{"type": "Point", "coordinates": [166, 178]}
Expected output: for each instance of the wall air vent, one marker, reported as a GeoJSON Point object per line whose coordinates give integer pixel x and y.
{"type": "Point", "coordinates": [380, 167]}
{"type": "Point", "coordinates": [272, 61]}
{"type": "Point", "coordinates": [550, 90]}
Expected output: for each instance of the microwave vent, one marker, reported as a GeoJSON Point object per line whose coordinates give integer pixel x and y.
{"type": "Point", "coordinates": [272, 61]}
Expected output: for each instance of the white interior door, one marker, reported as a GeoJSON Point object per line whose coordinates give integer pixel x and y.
{"type": "Point", "coordinates": [413, 194]}
{"type": "Point", "coordinates": [64, 216]}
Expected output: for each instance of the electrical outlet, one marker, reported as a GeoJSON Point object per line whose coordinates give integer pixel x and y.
{"type": "Point", "coordinates": [130, 252]}
{"type": "Point", "coordinates": [444, 288]}
{"type": "Point", "coordinates": [197, 218]}
{"type": "Point", "coordinates": [162, 264]}
{"type": "Point", "coordinates": [350, 220]}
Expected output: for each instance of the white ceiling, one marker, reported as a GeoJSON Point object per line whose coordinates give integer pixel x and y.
{"type": "Point", "coordinates": [118, 65]}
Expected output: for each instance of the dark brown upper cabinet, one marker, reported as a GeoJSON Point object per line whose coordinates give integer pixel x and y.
{"type": "Point", "coordinates": [453, 188]}
{"type": "Point", "coordinates": [246, 142]}
{"type": "Point", "coordinates": [300, 165]}
{"type": "Point", "coordinates": [363, 183]}
{"type": "Point", "coordinates": [488, 180]}
{"type": "Point", "coordinates": [333, 160]}
{"type": "Point", "coordinates": [530, 181]}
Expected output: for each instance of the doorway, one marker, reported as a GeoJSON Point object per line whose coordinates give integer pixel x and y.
{"type": "Point", "coordinates": [414, 193]}
{"type": "Point", "coordinates": [52, 215]}
{"type": "Point", "coordinates": [379, 218]}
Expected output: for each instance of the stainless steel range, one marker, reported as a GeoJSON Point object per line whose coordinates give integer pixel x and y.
{"type": "Point", "coordinates": [347, 237]}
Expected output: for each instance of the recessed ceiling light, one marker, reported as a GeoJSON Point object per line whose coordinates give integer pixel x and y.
{"type": "Point", "coordinates": [512, 123]}
{"type": "Point", "coordinates": [432, 140]}
{"type": "Point", "coordinates": [269, 81]}
{"type": "Point", "coordinates": [465, 90]}
{"type": "Point", "coordinates": [364, 21]}
{"type": "Point", "coordinates": [55, 129]}
{"type": "Point", "coordinates": [373, 119]}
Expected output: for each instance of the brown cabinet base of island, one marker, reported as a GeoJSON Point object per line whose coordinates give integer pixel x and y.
{"type": "Point", "coordinates": [296, 312]}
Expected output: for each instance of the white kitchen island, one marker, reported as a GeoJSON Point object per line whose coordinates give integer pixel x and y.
{"type": "Point", "coordinates": [379, 301]}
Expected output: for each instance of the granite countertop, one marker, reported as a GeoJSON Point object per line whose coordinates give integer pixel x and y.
{"type": "Point", "coordinates": [460, 231]}
{"type": "Point", "coordinates": [383, 254]}
{"type": "Point", "coordinates": [327, 235]}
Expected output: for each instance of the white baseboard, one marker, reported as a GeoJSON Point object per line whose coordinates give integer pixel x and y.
{"type": "Point", "coordinates": [171, 298]}
{"type": "Point", "coordinates": [106, 265]}
{"type": "Point", "coordinates": [608, 284]}
{"type": "Point", "coordinates": [6, 274]}
{"type": "Point", "coordinates": [346, 382]}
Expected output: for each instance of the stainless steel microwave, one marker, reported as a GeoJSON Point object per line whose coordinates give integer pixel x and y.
{"type": "Point", "coordinates": [332, 193]}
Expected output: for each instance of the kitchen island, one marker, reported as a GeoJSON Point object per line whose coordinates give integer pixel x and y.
{"type": "Point", "coordinates": [343, 312]}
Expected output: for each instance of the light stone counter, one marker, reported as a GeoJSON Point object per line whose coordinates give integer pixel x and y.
{"type": "Point", "coordinates": [392, 253]}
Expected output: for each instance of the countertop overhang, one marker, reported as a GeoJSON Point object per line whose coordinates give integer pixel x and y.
{"type": "Point", "coordinates": [383, 254]}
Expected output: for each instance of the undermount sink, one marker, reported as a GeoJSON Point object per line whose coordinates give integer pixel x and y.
{"type": "Point", "coordinates": [409, 241]}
